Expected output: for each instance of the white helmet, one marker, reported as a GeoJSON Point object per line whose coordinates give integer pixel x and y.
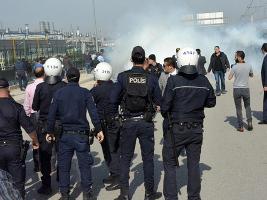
{"type": "Point", "coordinates": [187, 60]}
{"type": "Point", "coordinates": [53, 67]}
{"type": "Point", "coordinates": [103, 71]}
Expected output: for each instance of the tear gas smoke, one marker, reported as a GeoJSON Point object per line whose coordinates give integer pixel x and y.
{"type": "Point", "coordinates": [161, 33]}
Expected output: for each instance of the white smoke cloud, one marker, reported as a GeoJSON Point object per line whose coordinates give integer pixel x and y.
{"type": "Point", "coordinates": [159, 31]}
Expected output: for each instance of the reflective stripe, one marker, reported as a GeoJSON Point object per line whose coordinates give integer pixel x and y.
{"type": "Point", "coordinates": [195, 87]}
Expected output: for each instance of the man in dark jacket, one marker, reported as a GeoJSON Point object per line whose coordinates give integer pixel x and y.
{"type": "Point", "coordinates": [154, 67]}
{"type": "Point", "coordinates": [67, 63]}
{"type": "Point", "coordinates": [137, 114]}
{"type": "Point", "coordinates": [264, 83]}
{"type": "Point", "coordinates": [41, 102]}
{"type": "Point", "coordinates": [185, 97]}
{"type": "Point", "coordinates": [21, 74]}
{"type": "Point", "coordinates": [219, 64]}
{"type": "Point", "coordinates": [201, 62]}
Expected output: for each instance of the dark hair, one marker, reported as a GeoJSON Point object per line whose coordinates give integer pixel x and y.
{"type": "Point", "coordinates": [240, 54]}
{"type": "Point", "coordinates": [170, 61]}
{"type": "Point", "coordinates": [40, 72]}
{"type": "Point", "coordinates": [138, 58]}
{"type": "Point", "coordinates": [198, 51]}
{"type": "Point", "coordinates": [264, 47]}
{"type": "Point", "coordinates": [217, 47]}
{"type": "Point", "coordinates": [72, 78]}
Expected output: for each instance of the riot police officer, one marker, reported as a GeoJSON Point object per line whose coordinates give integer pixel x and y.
{"type": "Point", "coordinates": [139, 93]}
{"type": "Point", "coordinates": [109, 117]}
{"type": "Point", "coordinates": [41, 102]}
{"type": "Point", "coordinates": [71, 103]}
{"type": "Point", "coordinates": [12, 156]}
{"type": "Point", "coordinates": [184, 99]}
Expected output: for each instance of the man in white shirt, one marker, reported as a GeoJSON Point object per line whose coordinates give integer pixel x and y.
{"type": "Point", "coordinates": [29, 94]}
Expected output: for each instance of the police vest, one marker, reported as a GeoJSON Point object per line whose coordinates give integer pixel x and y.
{"type": "Point", "coordinates": [136, 97]}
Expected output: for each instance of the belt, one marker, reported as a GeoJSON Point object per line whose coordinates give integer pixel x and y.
{"type": "Point", "coordinates": [8, 142]}
{"type": "Point", "coordinates": [137, 118]}
{"type": "Point", "coordinates": [189, 125]}
{"type": "Point", "coordinates": [77, 132]}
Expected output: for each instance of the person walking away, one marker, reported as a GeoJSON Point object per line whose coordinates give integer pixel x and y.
{"type": "Point", "coordinates": [28, 99]}
{"type": "Point", "coordinates": [140, 96]}
{"type": "Point", "coordinates": [242, 71]}
{"type": "Point", "coordinates": [72, 103]}
{"type": "Point", "coordinates": [219, 64]}
{"type": "Point", "coordinates": [109, 117]}
{"type": "Point", "coordinates": [185, 97]}
{"type": "Point", "coordinates": [21, 74]}
{"type": "Point", "coordinates": [12, 117]}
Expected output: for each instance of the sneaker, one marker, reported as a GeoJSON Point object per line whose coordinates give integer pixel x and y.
{"type": "Point", "coordinates": [45, 190]}
{"type": "Point", "coordinates": [218, 94]}
{"type": "Point", "coordinates": [250, 127]}
{"type": "Point", "coordinates": [224, 91]}
{"type": "Point", "coordinates": [240, 129]}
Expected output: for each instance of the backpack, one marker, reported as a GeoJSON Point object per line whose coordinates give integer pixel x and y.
{"type": "Point", "coordinates": [136, 96]}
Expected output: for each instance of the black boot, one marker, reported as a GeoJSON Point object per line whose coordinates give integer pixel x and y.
{"type": "Point", "coordinates": [89, 196]}
{"type": "Point", "coordinates": [115, 185]}
{"type": "Point", "coordinates": [64, 196]}
{"type": "Point", "coordinates": [108, 180]}
{"type": "Point", "coordinates": [124, 194]}
{"type": "Point", "coordinates": [151, 194]}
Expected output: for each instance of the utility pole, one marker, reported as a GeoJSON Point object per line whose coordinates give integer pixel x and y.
{"type": "Point", "coordinates": [96, 44]}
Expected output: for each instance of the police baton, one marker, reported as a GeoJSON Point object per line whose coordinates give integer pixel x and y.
{"type": "Point", "coordinates": [173, 141]}
{"type": "Point", "coordinates": [106, 137]}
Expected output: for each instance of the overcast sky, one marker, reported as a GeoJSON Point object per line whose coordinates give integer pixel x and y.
{"type": "Point", "coordinates": [110, 14]}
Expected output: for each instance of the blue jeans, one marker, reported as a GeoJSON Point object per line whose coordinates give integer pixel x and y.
{"type": "Point", "coordinates": [219, 75]}
{"type": "Point", "coordinates": [22, 78]}
{"type": "Point", "coordinates": [88, 67]}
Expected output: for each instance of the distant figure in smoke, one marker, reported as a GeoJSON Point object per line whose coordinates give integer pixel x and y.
{"type": "Point", "coordinates": [219, 64]}
{"type": "Point", "coordinates": [100, 57]}
{"type": "Point", "coordinates": [154, 67]}
{"type": "Point", "coordinates": [87, 61]}
{"type": "Point", "coordinates": [242, 71]}
{"type": "Point", "coordinates": [264, 83]}
{"type": "Point", "coordinates": [175, 57]}
{"type": "Point", "coordinates": [201, 62]}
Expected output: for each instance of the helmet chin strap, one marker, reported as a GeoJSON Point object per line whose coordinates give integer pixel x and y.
{"type": "Point", "coordinates": [51, 80]}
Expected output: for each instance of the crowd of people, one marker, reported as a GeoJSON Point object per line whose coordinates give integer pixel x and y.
{"type": "Point", "coordinates": [54, 116]}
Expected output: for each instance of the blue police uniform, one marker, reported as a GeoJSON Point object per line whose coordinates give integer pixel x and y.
{"type": "Point", "coordinates": [12, 116]}
{"type": "Point", "coordinates": [185, 98]}
{"type": "Point", "coordinates": [41, 102]}
{"type": "Point", "coordinates": [108, 114]}
{"type": "Point", "coordinates": [133, 129]}
{"type": "Point", "coordinates": [71, 102]}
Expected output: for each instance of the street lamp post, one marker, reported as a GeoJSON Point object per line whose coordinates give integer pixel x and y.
{"type": "Point", "coordinates": [96, 44]}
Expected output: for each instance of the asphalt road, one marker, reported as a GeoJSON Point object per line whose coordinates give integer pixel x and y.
{"type": "Point", "coordinates": [233, 164]}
